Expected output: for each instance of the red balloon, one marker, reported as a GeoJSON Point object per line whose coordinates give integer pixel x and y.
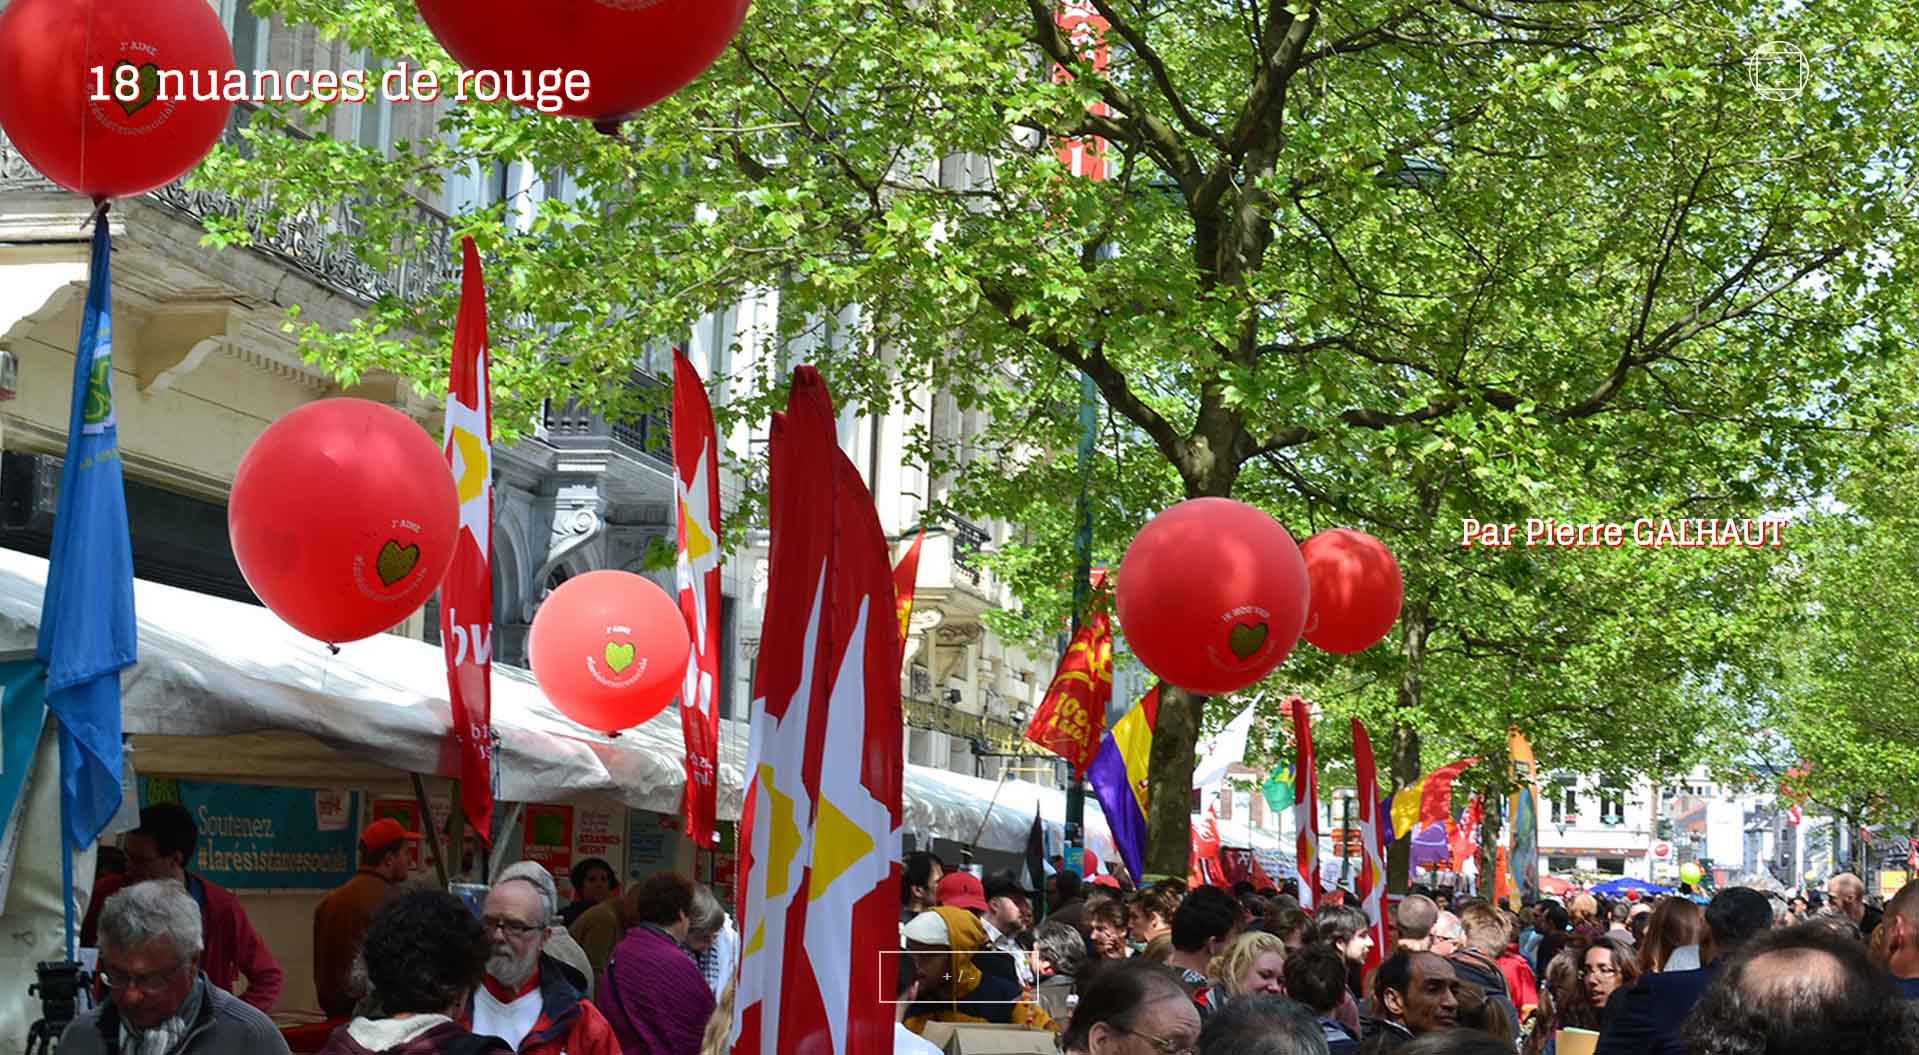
{"type": "Point", "coordinates": [609, 649]}
{"type": "Point", "coordinates": [50, 92]}
{"type": "Point", "coordinates": [1212, 594]}
{"type": "Point", "coordinates": [343, 518]}
{"type": "Point", "coordinates": [1356, 590]}
{"type": "Point", "coordinates": [633, 52]}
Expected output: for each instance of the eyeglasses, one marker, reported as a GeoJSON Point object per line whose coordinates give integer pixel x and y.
{"type": "Point", "coordinates": [513, 928]}
{"type": "Point", "coordinates": [1165, 1045]}
{"type": "Point", "coordinates": [145, 981]}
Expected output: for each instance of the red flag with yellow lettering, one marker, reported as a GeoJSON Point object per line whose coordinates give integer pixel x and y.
{"type": "Point", "coordinates": [1072, 717]}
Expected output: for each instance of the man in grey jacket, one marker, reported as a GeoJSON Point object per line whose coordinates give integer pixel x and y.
{"type": "Point", "coordinates": [160, 1003]}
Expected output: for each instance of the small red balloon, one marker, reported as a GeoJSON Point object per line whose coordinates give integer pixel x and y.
{"type": "Point", "coordinates": [1212, 594]}
{"type": "Point", "coordinates": [609, 649]}
{"type": "Point", "coordinates": [1356, 590]}
{"type": "Point", "coordinates": [343, 518]}
{"type": "Point", "coordinates": [60, 63]}
{"type": "Point", "coordinates": [633, 52]}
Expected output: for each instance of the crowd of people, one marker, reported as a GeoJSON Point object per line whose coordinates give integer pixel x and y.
{"type": "Point", "coordinates": [1170, 970]}
{"type": "Point", "coordinates": [1105, 969]}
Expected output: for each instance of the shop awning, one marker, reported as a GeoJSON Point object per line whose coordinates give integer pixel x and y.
{"type": "Point", "coordinates": [289, 711]}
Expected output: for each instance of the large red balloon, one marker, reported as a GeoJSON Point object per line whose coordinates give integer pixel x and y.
{"type": "Point", "coordinates": [343, 518]}
{"type": "Point", "coordinates": [609, 649]}
{"type": "Point", "coordinates": [1212, 594]}
{"type": "Point", "coordinates": [49, 50]}
{"type": "Point", "coordinates": [1356, 589]}
{"type": "Point", "coordinates": [634, 52]}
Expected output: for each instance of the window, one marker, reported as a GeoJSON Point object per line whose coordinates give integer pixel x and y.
{"type": "Point", "coordinates": [249, 33]}
{"type": "Point", "coordinates": [728, 637]}
{"type": "Point", "coordinates": [373, 118]}
{"type": "Point", "coordinates": [1565, 803]}
{"type": "Point", "coordinates": [1562, 864]}
{"type": "Point", "coordinates": [1612, 807]}
{"type": "Point", "coordinates": [1612, 866]}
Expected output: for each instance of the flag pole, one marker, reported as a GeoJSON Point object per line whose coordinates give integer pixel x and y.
{"type": "Point", "coordinates": [66, 861]}
{"type": "Point", "coordinates": [1082, 585]}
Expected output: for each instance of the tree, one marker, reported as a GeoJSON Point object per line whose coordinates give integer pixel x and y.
{"type": "Point", "coordinates": [1636, 262]}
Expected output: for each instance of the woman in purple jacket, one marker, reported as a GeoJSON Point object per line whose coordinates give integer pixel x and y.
{"type": "Point", "coordinates": [653, 993]}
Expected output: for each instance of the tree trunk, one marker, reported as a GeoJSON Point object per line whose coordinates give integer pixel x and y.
{"type": "Point", "coordinates": [1489, 832]}
{"type": "Point", "coordinates": [1415, 622]}
{"type": "Point", "coordinates": [1169, 812]}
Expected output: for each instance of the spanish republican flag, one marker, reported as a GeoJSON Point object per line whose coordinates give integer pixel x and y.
{"type": "Point", "coordinates": [819, 890]}
{"type": "Point", "coordinates": [1073, 714]}
{"type": "Point", "coordinates": [1428, 800]}
{"type": "Point", "coordinates": [905, 577]}
{"type": "Point", "coordinates": [696, 483]}
{"type": "Point", "coordinates": [1372, 866]}
{"type": "Point", "coordinates": [1118, 777]}
{"type": "Point", "coordinates": [1306, 805]}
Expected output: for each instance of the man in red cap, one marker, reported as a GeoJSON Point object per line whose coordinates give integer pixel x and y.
{"type": "Point", "coordinates": [963, 890]}
{"type": "Point", "coordinates": [342, 919]}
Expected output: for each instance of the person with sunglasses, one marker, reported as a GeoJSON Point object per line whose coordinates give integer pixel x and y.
{"type": "Point", "coordinates": [159, 1002]}
{"type": "Point", "coordinates": [529, 999]}
{"type": "Point", "coordinates": [1133, 1007]}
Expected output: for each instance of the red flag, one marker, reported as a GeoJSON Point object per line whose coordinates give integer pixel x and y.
{"type": "Point", "coordinates": [905, 576]}
{"type": "Point", "coordinates": [466, 594]}
{"type": "Point", "coordinates": [1305, 805]}
{"type": "Point", "coordinates": [1372, 865]}
{"type": "Point", "coordinates": [1085, 28]}
{"type": "Point", "coordinates": [1465, 837]}
{"type": "Point", "coordinates": [820, 834]}
{"type": "Point", "coordinates": [1071, 719]}
{"type": "Point", "coordinates": [696, 484]}
{"type": "Point", "coordinates": [1203, 866]}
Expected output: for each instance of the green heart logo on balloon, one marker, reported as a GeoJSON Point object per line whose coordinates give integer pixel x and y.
{"type": "Point", "coordinates": [149, 86]}
{"type": "Point", "coordinates": [396, 561]}
{"type": "Point", "coordinates": [1246, 639]}
{"type": "Point", "coordinates": [619, 655]}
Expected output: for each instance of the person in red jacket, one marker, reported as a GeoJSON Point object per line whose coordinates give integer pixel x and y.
{"type": "Point", "coordinates": [530, 1000]}
{"type": "Point", "coordinates": [160, 849]}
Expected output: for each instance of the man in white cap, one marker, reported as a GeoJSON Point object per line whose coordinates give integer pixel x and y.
{"type": "Point", "coordinates": [559, 944]}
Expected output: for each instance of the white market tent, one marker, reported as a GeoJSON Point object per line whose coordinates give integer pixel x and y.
{"type": "Point", "coordinates": [225, 690]}
{"type": "Point", "coordinates": [211, 669]}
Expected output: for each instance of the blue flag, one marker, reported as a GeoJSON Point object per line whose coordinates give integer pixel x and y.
{"type": "Point", "coordinates": [87, 630]}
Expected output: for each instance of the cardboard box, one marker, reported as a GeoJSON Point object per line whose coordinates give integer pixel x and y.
{"type": "Point", "coordinates": [984, 1039]}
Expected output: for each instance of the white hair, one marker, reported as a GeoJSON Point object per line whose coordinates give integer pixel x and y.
{"type": "Point", "coordinates": [156, 910]}
{"type": "Point", "coordinates": [535, 875]}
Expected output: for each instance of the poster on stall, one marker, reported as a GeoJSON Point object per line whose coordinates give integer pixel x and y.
{"type": "Point", "coordinates": [254, 837]}
{"type": "Point", "coordinates": [653, 844]}
{"type": "Point", "coordinates": [598, 832]}
{"type": "Point", "coordinates": [548, 837]}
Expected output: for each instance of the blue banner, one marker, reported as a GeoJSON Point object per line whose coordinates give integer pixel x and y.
{"type": "Point", "coordinates": [23, 714]}
{"type": "Point", "coordinates": [263, 838]}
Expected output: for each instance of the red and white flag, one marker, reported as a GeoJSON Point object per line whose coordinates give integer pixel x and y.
{"type": "Point", "coordinates": [1372, 865]}
{"type": "Point", "coordinates": [466, 594]}
{"type": "Point", "coordinates": [696, 485]}
{"type": "Point", "coordinates": [820, 831]}
{"type": "Point", "coordinates": [1305, 805]}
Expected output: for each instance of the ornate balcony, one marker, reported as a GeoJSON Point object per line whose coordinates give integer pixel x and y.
{"type": "Point", "coordinates": [649, 437]}
{"type": "Point", "coordinates": [939, 718]}
{"type": "Point", "coordinates": [309, 243]}
{"type": "Point", "coordinates": [969, 541]}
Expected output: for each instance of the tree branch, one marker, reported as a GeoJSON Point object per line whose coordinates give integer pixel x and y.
{"type": "Point", "coordinates": [1157, 65]}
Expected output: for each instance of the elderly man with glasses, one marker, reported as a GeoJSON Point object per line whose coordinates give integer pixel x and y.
{"type": "Point", "coordinates": [151, 939]}
{"type": "Point", "coordinates": [529, 999]}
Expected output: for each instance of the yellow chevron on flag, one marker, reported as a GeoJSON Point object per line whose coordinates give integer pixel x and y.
{"type": "Point", "coordinates": [838, 844]}
{"type": "Point", "coordinates": [699, 539]}
{"type": "Point", "coordinates": [474, 470]}
{"type": "Point", "coordinates": [783, 836]}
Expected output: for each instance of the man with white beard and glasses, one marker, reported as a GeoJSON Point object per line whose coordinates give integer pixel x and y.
{"type": "Point", "coordinates": [529, 999]}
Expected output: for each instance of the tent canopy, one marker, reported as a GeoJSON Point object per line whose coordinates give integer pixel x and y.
{"type": "Point", "coordinates": [288, 710]}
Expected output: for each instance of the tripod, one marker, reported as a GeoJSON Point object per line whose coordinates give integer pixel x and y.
{"type": "Point", "coordinates": [58, 988]}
